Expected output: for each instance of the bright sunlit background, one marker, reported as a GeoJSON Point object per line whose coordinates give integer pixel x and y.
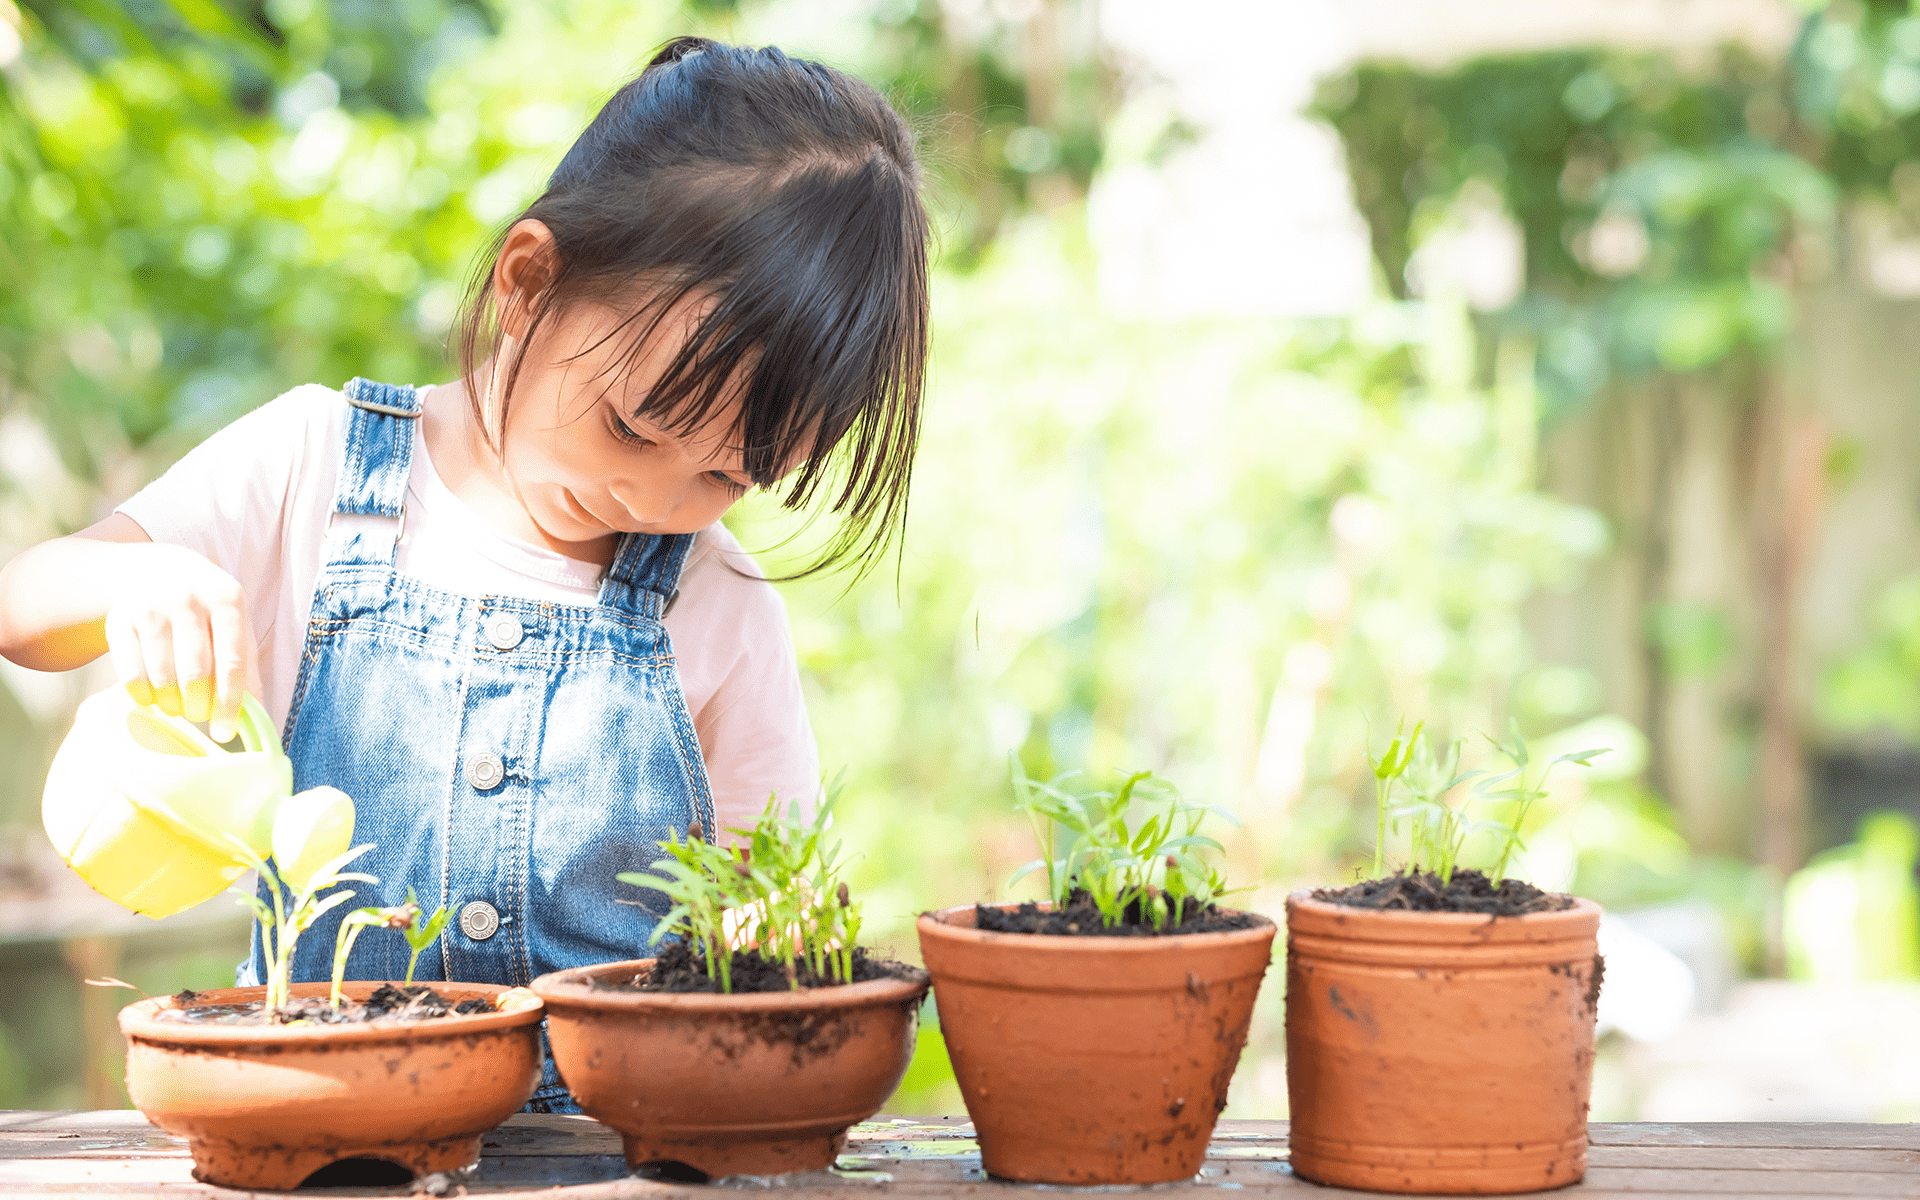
{"type": "Point", "coordinates": [1300, 365]}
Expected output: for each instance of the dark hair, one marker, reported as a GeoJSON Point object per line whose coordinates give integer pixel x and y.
{"type": "Point", "coordinates": [787, 195]}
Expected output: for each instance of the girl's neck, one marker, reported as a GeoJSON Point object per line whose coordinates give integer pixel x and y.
{"type": "Point", "coordinates": [474, 473]}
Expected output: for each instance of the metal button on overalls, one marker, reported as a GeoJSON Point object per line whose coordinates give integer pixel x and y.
{"type": "Point", "coordinates": [479, 920]}
{"type": "Point", "coordinates": [505, 631]}
{"type": "Point", "coordinates": [485, 772]}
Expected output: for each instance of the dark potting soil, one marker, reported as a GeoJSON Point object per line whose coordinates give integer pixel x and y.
{"type": "Point", "coordinates": [1466, 892]}
{"type": "Point", "coordinates": [387, 1003]}
{"type": "Point", "coordinates": [678, 969]}
{"type": "Point", "coordinates": [1081, 918]}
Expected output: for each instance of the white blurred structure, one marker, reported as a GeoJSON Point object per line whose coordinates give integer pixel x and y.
{"type": "Point", "coordinates": [1253, 217]}
{"type": "Point", "coordinates": [1648, 991]}
{"type": "Point", "coordinates": [1779, 1051]}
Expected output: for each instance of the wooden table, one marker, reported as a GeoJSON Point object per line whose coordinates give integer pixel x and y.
{"type": "Point", "coordinates": [117, 1152]}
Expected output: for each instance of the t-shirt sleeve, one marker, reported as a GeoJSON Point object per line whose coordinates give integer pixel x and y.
{"type": "Point", "coordinates": [753, 728]}
{"type": "Point", "coordinates": [231, 496]}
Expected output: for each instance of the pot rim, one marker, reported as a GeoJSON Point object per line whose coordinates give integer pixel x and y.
{"type": "Point", "coordinates": [137, 1020]}
{"type": "Point", "coordinates": [935, 921]}
{"type": "Point", "coordinates": [1582, 909]}
{"type": "Point", "coordinates": [570, 989]}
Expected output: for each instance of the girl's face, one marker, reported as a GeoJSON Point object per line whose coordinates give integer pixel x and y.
{"type": "Point", "coordinates": [582, 464]}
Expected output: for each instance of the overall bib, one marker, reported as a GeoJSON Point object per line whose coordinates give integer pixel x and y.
{"type": "Point", "coordinates": [506, 756]}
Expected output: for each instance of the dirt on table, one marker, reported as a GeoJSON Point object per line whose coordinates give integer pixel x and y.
{"type": "Point", "coordinates": [388, 1003]}
{"type": "Point", "coordinates": [1081, 918]}
{"type": "Point", "coordinates": [1467, 892]}
{"type": "Point", "coordinates": [678, 969]}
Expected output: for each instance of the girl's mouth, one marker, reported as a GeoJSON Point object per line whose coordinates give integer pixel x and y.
{"type": "Point", "coordinates": [581, 512]}
{"type": "Point", "coordinates": [593, 519]}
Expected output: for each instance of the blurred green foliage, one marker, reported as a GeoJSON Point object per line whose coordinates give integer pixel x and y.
{"type": "Point", "coordinates": [1876, 689]}
{"type": "Point", "coordinates": [1668, 207]}
{"type": "Point", "coordinates": [1854, 913]}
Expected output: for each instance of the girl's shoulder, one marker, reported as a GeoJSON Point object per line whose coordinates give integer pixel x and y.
{"type": "Point", "coordinates": [721, 580]}
{"type": "Point", "coordinates": [716, 545]}
{"type": "Point", "coordinates": [298, 424]}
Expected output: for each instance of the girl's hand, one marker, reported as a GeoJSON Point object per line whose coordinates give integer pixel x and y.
{"type": "Point", "coordinates": [177, 635]}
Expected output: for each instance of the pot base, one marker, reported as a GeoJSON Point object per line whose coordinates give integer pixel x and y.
{"type": "Point", "coordinates": [281, 1169]}
{"type": "Point", "coordinates": [1464, 1171]}
{"type": "Point", "coordinates": [771, 1155]}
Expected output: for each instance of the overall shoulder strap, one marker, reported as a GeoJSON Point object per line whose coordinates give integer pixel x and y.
{"type": "Point", "coordinates": [645, 575]}
{"type": "Point", "coordinates": [374, 470]}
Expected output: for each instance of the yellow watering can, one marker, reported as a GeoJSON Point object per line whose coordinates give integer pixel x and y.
{"type": "Point", "coordinates": [141, 804]}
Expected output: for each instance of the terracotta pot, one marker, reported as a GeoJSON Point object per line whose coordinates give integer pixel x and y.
{"type": "Point", "coordinates": [1093, 1060]}
{"type": "Point", "coordinates": [757, 1083]}
{"type": "Point", "coordinates": [1440, 1052]}
{"type": "Point", "coordinates": [266, 1106]}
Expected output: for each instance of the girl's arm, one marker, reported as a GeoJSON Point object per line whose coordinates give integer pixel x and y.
{"type": "Point", "coordinates": [174, 622]}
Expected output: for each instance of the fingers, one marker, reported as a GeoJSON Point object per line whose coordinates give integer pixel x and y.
{"type": "Point", "coordinates": [184, 648]}
{"type": "Point", "coordinates": [193, 663]}
{"type": "Point", "coordinates": [129, 665]}
{"type": "Point", "coordinates": [228, 628]}
{"type": "Point", "coordinates": [156, 661]}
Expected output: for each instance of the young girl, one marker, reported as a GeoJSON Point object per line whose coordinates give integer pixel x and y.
{"type": "Point", "coordinates": [501, 613]}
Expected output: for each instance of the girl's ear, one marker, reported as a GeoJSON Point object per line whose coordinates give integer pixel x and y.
{"type": "Point", "coordinates": [525, 267]}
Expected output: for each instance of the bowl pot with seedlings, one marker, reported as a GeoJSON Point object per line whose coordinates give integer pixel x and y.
{"type": "Point", "coordinates": [269, 1084]}
{"type": "Point", "coordinates": [1440, 1019]}
{"type": "Point", "coordinates": [760, 1032]}
{"type": "Point", "coordinates": [1094, 1035]}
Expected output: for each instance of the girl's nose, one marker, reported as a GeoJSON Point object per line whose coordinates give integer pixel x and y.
{"type": "Point", "coordinates": [647, 501]}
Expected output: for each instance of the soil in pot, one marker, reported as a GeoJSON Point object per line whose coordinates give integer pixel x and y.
{"type": "Point", "coordinates": [387, 1002]}
{"type": "Point", "coordinates": [1436, 1044]}
{"type": "Point", "coordinates": [703, 1084]}
{"type": "Point", "coordinates": [680, 969]}
{"type": "Point", "coordinates": [1467, 891]}
{"type": "Point", "coordinates": [268, 1105]}
{"type": "Point", "coordinates": [1037, 1025]}
{"type": "Point", "coordinates": [1080, 917]}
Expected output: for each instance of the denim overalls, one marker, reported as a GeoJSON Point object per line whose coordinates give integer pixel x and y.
{"type": "Point", "coordinates": [508, 757]}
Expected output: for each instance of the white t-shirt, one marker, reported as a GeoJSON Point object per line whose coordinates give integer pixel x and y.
{"type": "Point", "coordinates": [255, 497]}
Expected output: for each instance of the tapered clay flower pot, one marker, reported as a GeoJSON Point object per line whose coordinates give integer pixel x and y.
{"type": "Point", "coordinates": [1440, 1052]}
{"type": "Point", "coordinates": [1093, 1060]}
{"type": "Point", "coordinates": [265, 1106]}
{"type": "Point", "coordinates": [755, 1083]}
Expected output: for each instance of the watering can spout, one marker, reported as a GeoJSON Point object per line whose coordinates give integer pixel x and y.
{"type": "Point", "coordinates": [146, 808]}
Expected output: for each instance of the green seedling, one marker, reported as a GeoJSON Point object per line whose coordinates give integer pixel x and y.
{"type": "Point", "coordinates": [1386, 769]}
{"type": "Point", "coordinates": [1437, 829]}
{"type": "Point", "coordinates": [419, 933]}
{"type": "Point", "coordinates": [1087, 842]}
{"type": "Point", "coordinates": [291, 913]}
{"type": "Point", "coordinates": [1523, 792]}
{"type": "Point", "coordinates": [407, 918]}
{"type": "Point", "coordinates": [778, 894]}
{"type": "Point", "coordinates": [350, 927]}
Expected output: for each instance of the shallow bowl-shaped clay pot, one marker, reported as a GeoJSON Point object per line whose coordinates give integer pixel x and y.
{"type": "Point", "coordinates": [755, 1083]}
{"type": "Point", "coordinates": [1093, 1060]}
{"type": "Point", "coordinates": [1440, 1052]}
{"type": "Point", "coordinates": [265, 1106]}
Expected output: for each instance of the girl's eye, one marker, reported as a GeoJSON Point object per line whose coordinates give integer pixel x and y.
{"type": "Point", "coordinates": [726, 481]}
{"type": "Point", "coordinates": [626, 432]}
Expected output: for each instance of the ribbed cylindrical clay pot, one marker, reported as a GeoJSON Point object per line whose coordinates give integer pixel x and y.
{"type": "Point", "coordinates": [1440, 1052]}
{"type": "Point", "coordinates": [265, 1106]}
{"type": "Point", "coordinates": [754, 1083]}
{"type": "Point", "coordinates": [1093, 1060]}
